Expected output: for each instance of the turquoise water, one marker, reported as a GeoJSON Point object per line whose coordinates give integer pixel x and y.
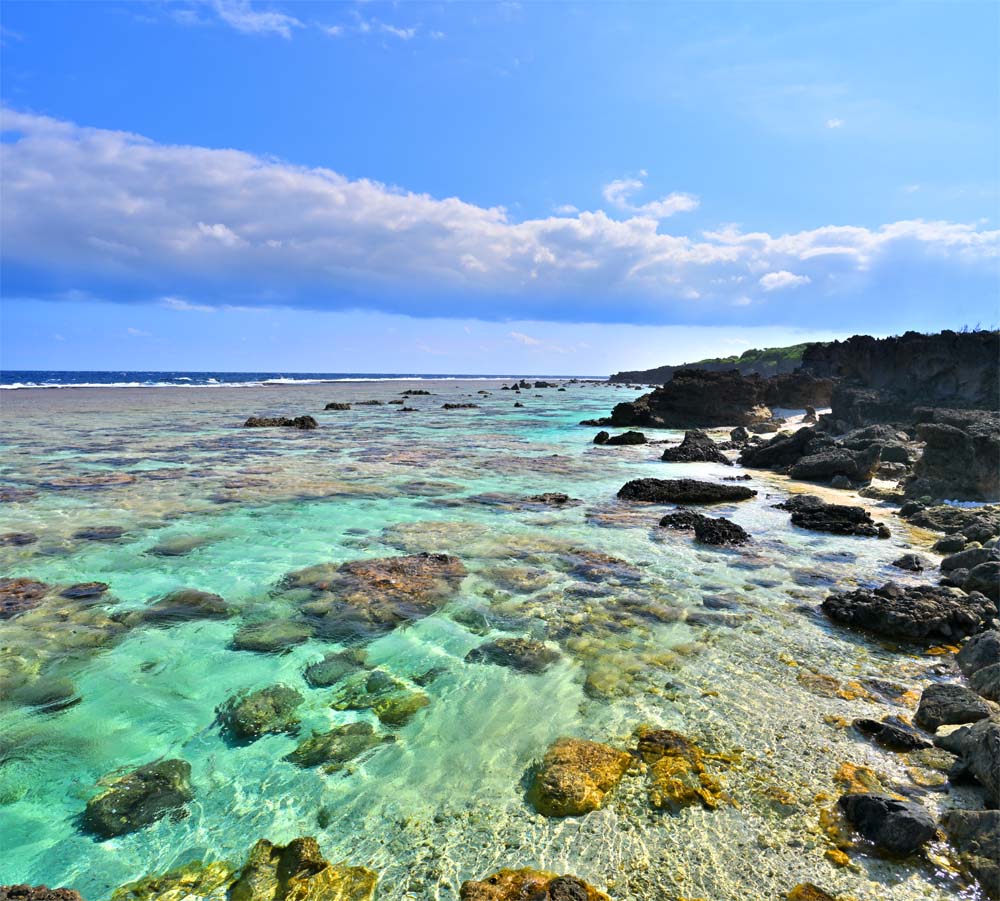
{"type": "Point", "coordinates": [445, 802]}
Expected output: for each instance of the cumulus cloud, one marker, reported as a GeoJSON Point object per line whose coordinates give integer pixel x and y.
{"type": "Point", "coordinates": [775, 281]}
{"type": "Point", "coordinates": [619, 194]}
{"type": "Point", "coordinates": [99, 213]}
{"type": "Point", "coordinates": [242, 16]}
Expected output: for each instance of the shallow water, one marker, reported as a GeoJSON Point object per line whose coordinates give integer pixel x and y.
{"type": "Point", "coordinates": [755, 671]}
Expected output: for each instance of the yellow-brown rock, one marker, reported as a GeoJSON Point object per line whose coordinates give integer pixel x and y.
{"type": "Point", "coordinates": [536, 885]}
{"type": "Point", "coordinates": [806, 891]}
{"type": "Point", "coordinates": [575, 776]}
{"type": "Point", "coordinates": [195, 880]}
{"type": "Point", "coordinates": [677, 773]}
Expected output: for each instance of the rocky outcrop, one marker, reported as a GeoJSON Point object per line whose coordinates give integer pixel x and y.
{"type": "Point", "coordinates": [961, 458]}
{"type": "Point", "coordinates": [696, 398]}
{"type": "Point", "coordinates": [264, 422]}
{"type": "Point", "coordinates": [811, 512]}
{"type": "Point", "coordinates": [523, 654]}
{"type": "Point", "coordinates": [978, 749]}
{"type": "Point", "coordinates": [975, 835]}
{"type": "Point", "coordinates": [575, 776]}
{"type": "Point", "coordinates": [682, 491]}
{"type": "Point", "coordinates": [625, 438]}
{"type": "Point", "coordinates": [140, 798]}
{"type": "Point", "coordinates": [898, 827]}
{"type": "Point", "coordinates": [707, 530]}
{"type": "Point", "coordinates": [336, 405]}
{"type": "Point", "coordinates": [696, 447]}
{"type": "Point", "coordinates": [363, 599]}
{"type": "Point", "coordinates": [529, 885]}
{"type": "Point", "coordinates": [920, 613]}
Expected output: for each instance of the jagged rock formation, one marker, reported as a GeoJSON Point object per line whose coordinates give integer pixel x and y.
{"type": "Point", "coordinates": [767, 362]}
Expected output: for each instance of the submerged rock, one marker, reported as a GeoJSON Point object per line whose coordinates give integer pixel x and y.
{"type": "Point", "coordinates": [682, 491]}
{"type": "Point", "coordinates": [299, 872]}
{"type": "Point", "coordinates": [139, 798]}
{"type": "Point", "coordinates": [677, 773]}
{"type": "Point", "coordinates": [333, 750]}
{"type": "Point", "coordinates": [273, 636]}
{"type": "Point", "coordinates": [84, 590]}
{"type": "Point", "coordinates": [806, 891]}
{"type": "Point", "coordinates": [575, 776]}
{"type": "Point", "coordinates": [334, 667]}
{"type": "Point", "coordinates": [898, 827]}
{"type": "Point", "coordinates": [523, 654]}
{"type": "Point", "coordinates": [181, 606]}
{"type": "Point", "coordinates": [178, 545]}
{"type": "Point", "coordinates": [37, 893]}
{"type": "Point", "coordinates": [46, 695]}
{"type": "Point", "coordinates": [949, 704]}
{"type": "Point", "coordinates": [195, 880]}
{"type": "Point", "coordinates": [891, 733]}
{"type": "Point", "coordinates": [391, 699]}
{"type": "Point", "coordinates": [696, 447]}
{"type": "Point", "coordinates": [18, 595]}
{"type": "Point", "coordinates": [264, 422]}
{"type": "Point", "coordinates": [975, 835]}
{"type": "Point", "coordinates": [529, 885]}
{"type": "Point", "coordinates": [920, 613]}
{"type": "Point", "coordinates": [99, 533]}
{"type": "Point", "coordinates": [367, 598]}
{"type": "Point", "coordinates": [246, 717]}
{"type": "Point", "coordinates": [811, 512]}
{"type": "Point", "coordinates": [17, 539]}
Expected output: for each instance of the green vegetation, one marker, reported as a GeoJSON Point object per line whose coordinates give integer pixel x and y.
{"type": "Point", "coordinates": [769, 361]}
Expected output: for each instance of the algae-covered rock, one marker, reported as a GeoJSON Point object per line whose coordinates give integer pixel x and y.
{"type": "Point", "coordinates": [391, 699]}
{"type": "Point", "coordinates": [523, 654]}
{"type": "Point", "coordinates": [529, 885]}
{"type": "Point", "coordinates": [299, 872]}
{"type": "Point", "coordinates": [975, 835]}
{"type": "Point", "coordinates": [575, 776]}
{"type": "Point", "coordinates": [269, 710]}
{"type": "Point", "coordinates": [188, 882]}
{"type": "Point", "coordinates": [333, 750]}
{"type": "Point", "coordinates": [363, 599]}
{"type": "Point", "coordinates": [139, 798]}
{"type": "Point", "coordinates": [334, 667]}
{"type": "Point", "coordinates": [804, 891]}
{"type": "Point", "coordinates": [181, 606]}
{"type": "Point", "coordinates": [274, 636]}
{"type": "Point", "coordinates": [677, 772]}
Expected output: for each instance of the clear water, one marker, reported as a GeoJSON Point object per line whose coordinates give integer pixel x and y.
{"type": "Point", "coordinates": [446, 802]}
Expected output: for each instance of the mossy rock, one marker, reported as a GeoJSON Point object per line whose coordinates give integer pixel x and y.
{"type": "Point", "coordinates": [275, 636]}
{"type": "Point", "coordinates": [517, 885]}
{"type": "Point", "coordinates": [191, 881]}
{"type": "Point", "coordinates": [399, 708]}
{"type": "Point", "coordinates": [677, 772]}
{"type": "Point", "coordinates": [269, 710]}
{"type": "Point", "coordinates": [139, 798]}
{"type": "Point", "coordinates": [334, 667]}
{"type": "Point", "coordinates": [333, 750]}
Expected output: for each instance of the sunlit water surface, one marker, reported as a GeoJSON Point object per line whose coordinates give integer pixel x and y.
{"type": "Point", "coordinates": [756, 673]}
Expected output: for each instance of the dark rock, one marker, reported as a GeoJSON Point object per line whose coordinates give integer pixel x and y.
{"type": "Point", "coordinates": [986, 681]}
{"type": "Point", "coordinates": [696, 447]}
{"type": "Point", "coordinates": [949, 704]}
{"type": "Point", "coordinates": [967, 559]}
{"type": "Point", "coordinates": [18, 595]}
{"type": "Point", "coordinates": [682, 491]}
{"type": "Point", "coordinates": [84, 590]}
{"type": "Point", "coordinates": [625, 438]}
{"type": "Point", "coordinates": [37, 893]}
{"type": "Point", "coordinates": [782, 451]}
{"type": "Point", "coordinates": [859, 466]}
{"type": "Point", "coordinates": [913, 563]}
{"type": "Point", "coordinates": [46, 695]}
{"type": "Point", "coordinates": [273, 636]}
{"type": "Point", "coordinates": [460, 406]}
{"type": "Point", "coordinates": [975, 835]}
{"type": "Point", "coordinates": [263, 422]}
{"type": "Point", "coordinates": [974, 523]}
{"type": "Point", "coordinates": [337, 406]}
{"type": "Point", "coordinates": [333, 750]}
{"type": "Point", "coordinates": [17, 539]}
{"type": "Point", "coordinates": [898, 827]}
{"type": "Point", "coordinates": [246, 717]}
{"type": "Point", "coordinates": [697, 398]}
{"type": "Point", "coordinates": [811, 512]}
{"type": "Point", "coordinates": [181, 606]}
{"type": "Point", "coordinates": [739, 435]}
{"type": "Point", "coordinates": [99, 533]}
{"type": "Point", "coordinates": [178, 545]}
{"type": "Point", "coordinates": [529, 885]}
{"type": "Point", "coordinates": [334, 667]}
{"type": "Point", "coordinates": [891, 734]}
{"type": "Point", "coordinates": [523, 654]}
{"type": "Point", "coordinates": [979, 651]}
{"type": "Point", "coordinates": [985, 578]}
{"type": "Point", "coordinates": [140, 798]}
{"type": "Point", "coordinates": [921, 613]}
{"type": "Point", "coordinates": [719, 531]}
{"type": "Point", "coordinates": [416, 392]}
{"type": "Point", "coordinates": [961, 458]}
{"type": "Point", "coordinates": [978, 749]}
{"type": "Point", "coordinates": [368, 403]}
{"type": "Point", "coordinates": [601, 437]}
{"type": "Point", "coordinates": [950, 544]}
{"type": "Point", "coordinates": [553, 499]}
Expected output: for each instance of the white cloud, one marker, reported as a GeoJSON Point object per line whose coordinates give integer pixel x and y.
{"type": "Point", "coordinates": [241, 15]}
{"type": "Point", "coordinates": [911, 189]}
{"type": "Point", "coordinates": [776, 281]}
{"type": "Point", "coordinates": [137, 333]}
{"type": "Point", "coordinates": [834, 123]}
{"type": "Point", "coordinates": [334, 31]}
{"type": "Point", "coordinates": [404, 34]}
{"type": "Point", "coordinates": [522, 338]}
{"type": "Point", "coordinates": [112, 214]}
{"type": "Point", "coordinates": [566, 209]}
{"type": "Point", "coordinates": [619, 193]}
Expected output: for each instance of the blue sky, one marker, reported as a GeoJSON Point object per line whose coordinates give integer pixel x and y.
{"type": "Point", "coordinates": [550, 187]}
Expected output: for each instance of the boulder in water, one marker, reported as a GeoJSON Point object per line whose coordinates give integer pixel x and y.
{"type": "Point", "coordinates": [898, 827]}
{"type": "Point", "coordinates": [139, 798]}
{"type": "Point", "coordinates": [246, 717]}
{"type": "Point", "coordinates": [682, 491]}
{"type": "Point", "coordinates": [575, 776]}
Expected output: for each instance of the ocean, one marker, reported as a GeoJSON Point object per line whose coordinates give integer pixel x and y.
{"type": "Point", "coordinates": [158, 489]}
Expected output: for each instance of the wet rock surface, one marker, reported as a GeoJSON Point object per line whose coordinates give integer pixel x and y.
{"type": "Point", "coordinates": [529, 885]}
{"type": "Point", "coordinates": [523, 654]}
{"type": "Point", "coordinates": [139, 798]}
{"type": "Point", "coordinates": [248, 716]}
{"type": "Point", "coordinates": [897, 827]}
{"type": "Point", "coordinates": [625, 438]}
{"type": "Point", "coordinates": [707, 529]}
{"type": "Point", "coordinates": [975, 835]}
{"type": "Point", "coordinates": [575, 776]}
{"type": "Point", "coordinates": [682, 491]}
{"type": "Point", "coordinates": [813, 513]}
{"type": "Point", "coordinates": [678, 774]}
{"type": "Point", "coordinates": [335, 749]}
{"type": "Point", "coordinates": [891, 734]}
{"type": "Point", "coordinates": [922, 613]}
{"type": "Point", "coordinates": [978, 749]}
{"type": "Point", "coordinates": [949, 704]}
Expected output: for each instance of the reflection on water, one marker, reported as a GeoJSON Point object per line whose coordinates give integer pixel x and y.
{"type": "Point", "coordinates": [151, 491]}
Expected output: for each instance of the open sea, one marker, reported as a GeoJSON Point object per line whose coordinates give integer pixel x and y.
{"type": "Point", "coordinates": [159, 488]}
